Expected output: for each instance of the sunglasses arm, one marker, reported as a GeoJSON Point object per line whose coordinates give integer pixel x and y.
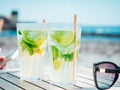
{"type": "Point", "coordinates": [103, 70]}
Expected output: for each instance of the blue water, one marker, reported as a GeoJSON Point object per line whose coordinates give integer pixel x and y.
{"type": "Point", "coordinates": [106, 30]}
{"type": "Point", "coordinates": [100, 38]}
{"type": "Point", "coordinates": [8, 33]}
{"type": "Point", "coordinates": [101, 30]}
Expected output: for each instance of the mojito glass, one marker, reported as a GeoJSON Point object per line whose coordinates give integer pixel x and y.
{"type": "Point", "coordinates": [32, 44]}
{"type": "Point", "coordinates": [64, 58]}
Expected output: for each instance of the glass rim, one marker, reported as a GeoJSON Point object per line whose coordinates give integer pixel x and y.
{"type": "Point", "coordinates": [63, 27]}
{"type": "Point", "coordinates": [31, 26]}
{"type": "Point", "coordinates": [50, 26]}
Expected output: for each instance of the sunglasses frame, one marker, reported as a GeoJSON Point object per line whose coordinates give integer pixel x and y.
{"type": "Point", "coordinates": [95, 65]}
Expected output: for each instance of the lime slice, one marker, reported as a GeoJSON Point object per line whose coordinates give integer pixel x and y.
{"type": "Point", "coordinates": [34, 37]}
{"type": "Point", "coordinates": [67, 38]}
{"type": "Point", "coordinates": [39, 51]}
{"type": "Point", "coordinates": [63, 37]}
{"type": "Point", "coordinates": [57, 63]}
{"type": "Point", "coordinates": [32, 41]}
{"type": "Point", "coordinates": [56, 38]}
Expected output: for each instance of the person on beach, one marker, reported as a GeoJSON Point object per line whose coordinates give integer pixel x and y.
{"type": "Point", "coordinates": [2, 62]}
{"type": "Point", "coordinates": [9, 57]}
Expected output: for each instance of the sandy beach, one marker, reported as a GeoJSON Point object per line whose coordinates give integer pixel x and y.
{"type": "Point", "coordinates": [90, 51]}
{"type": "Point", "coordinates": [97, 51]}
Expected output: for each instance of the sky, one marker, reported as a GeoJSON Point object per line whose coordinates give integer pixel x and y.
{"type": "Point", "coordinates": [89, 12]}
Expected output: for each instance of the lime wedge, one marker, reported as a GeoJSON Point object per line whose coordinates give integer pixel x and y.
{"type": "Point", "coordinates": [34, 37]}
{"type": "Point", "coordinates": [57, 63]}
{"type": "Point", "coordinates": [57, 36]}
{"type": "Point", "coordinates": [63, 37]}
{"type": "Point", "coordinates": [32, 41]}
{"type": "Point", "coordinates": [67, 38]}
{"type": "Point", "coordinates": [39, 51]}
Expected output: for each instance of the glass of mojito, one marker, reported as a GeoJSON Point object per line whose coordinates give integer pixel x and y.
{"type": "Point", "coordinates": [64, 46]}
{"type": "Point", "coordinates": [32, 44]}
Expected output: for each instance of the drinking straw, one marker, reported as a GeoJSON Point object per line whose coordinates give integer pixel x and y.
{"type": "Point", "coordinates": [42, 24]}
{"type": "Point", "coordinates": [74, 58]}
{"type": "Point", "coordinates": [43, 21]}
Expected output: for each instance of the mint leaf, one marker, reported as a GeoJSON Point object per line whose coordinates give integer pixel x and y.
{"type": "Point", "coordinates": [19, 32]}
{"type": "Point", "coordinates": [68, 57]}
{"type": "Point", "coordinates": [55, 52]}
{"type": "Point", "coordinates": [25, 46]}
{"type": "Point", "coordinates": [30, 44]}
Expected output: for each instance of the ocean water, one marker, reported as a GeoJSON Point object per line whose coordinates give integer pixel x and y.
{"type": "Point", "coordinates": [94, 33]}
{"type": "Point", "coordinates": [112, 30]}
{"type": "Point", "coordinates": [8, 33]}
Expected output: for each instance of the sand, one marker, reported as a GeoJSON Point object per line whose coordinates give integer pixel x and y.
{"type": "Point", "coordinates": [92, 52]}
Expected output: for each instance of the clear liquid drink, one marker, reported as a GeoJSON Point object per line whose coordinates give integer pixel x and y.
{"type": "Point", "coordinates": [64, 54]}
{"type": "Point", "coordinates": [32, 44]}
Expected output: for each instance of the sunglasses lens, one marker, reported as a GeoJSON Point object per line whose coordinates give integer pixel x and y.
{"type": "Point", "coordinates": [105, 80]}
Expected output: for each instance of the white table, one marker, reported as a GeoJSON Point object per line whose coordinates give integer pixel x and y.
{"type": "Point", "coordinates": [10, 80]}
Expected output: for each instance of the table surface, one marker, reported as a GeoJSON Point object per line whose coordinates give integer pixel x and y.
{"type": "Point", "coordinates": [10, 80]}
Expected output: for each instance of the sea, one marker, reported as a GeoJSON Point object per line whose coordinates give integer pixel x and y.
{"type": "Point", "coordinates": [88, 33]}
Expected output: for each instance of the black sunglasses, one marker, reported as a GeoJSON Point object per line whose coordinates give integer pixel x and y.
{"type": "Point", "coordinates": [105, 74]}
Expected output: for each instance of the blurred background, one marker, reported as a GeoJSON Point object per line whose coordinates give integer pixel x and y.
{"type": "Point", "coordinates": [99, 20]}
